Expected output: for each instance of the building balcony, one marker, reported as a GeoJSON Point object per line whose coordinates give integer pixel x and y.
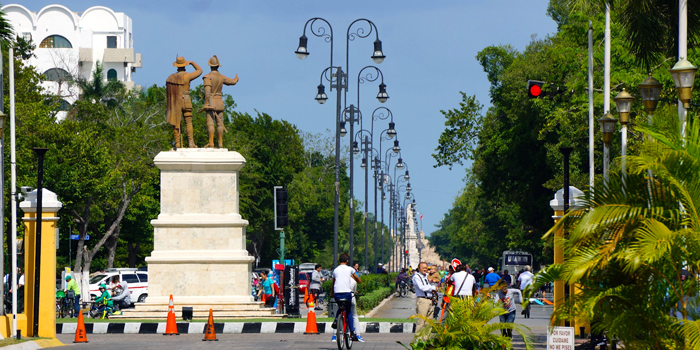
{"type": "Point", "coordinates": [85, 54]}
{"type": "Point", "coordinates": [118, 56]}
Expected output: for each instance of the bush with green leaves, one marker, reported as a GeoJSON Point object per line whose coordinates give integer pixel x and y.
{"type": "Point", "coordinates": [374, 288]}
{"type": "Point", "coordinates": [467, 327]}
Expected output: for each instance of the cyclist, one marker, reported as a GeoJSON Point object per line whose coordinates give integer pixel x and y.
{"type": "Point", "coordinates": [105, 300]}
{"type": "Point", "coordinates": [73, 288]}
{"type": "Point", "coordinates": [402, 278]}
{"type": "Point", "coordinates": [342, 289]}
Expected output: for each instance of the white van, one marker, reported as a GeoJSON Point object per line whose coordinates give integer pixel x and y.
{"type": "Point", "coordinates": [137, 280]}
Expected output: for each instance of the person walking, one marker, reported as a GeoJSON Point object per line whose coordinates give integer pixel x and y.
{"type": "Point", "coordinates": [267, 290]}
{"type": "Point", "coordinates": [506, 296]}
{"type": "Point", "coordinates": [424, 294]}
{"type": "Point", "coordinates": [524, 280]}
{"type": "Point", "coordinates": [491, 278]}
{"type": "Point", "coordinates": [464, 282]}
{"type": "Point", "coordinates": [342, 290]}
{"type": "Point", "coordinates": [315, 285]}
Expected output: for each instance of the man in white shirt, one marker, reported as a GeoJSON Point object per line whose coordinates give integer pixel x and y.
{"type": "Point", "coordinates": [524, 280]}
{"type": "Point", "coordinates": [465, 284]}
{"type": "Point", "coordinates": [342, 289]}
{"type": "Point", "coordinates": [424, 294]}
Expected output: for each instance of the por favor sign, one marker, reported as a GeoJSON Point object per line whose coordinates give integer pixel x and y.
{"type": "Point", "coordinates": [560, 338]}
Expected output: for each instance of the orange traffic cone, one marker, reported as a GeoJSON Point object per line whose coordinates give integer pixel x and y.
{"type": "Point", "coordinates": [311, 327]}
{"type": "Point", "coordinates": [209, 332]}
{"type": "Point", "coordinates": [80, 334]}
{"type": "Point", "coordinates": [171, 325]}
{"type": "Point", "coordinates": [306, 296]}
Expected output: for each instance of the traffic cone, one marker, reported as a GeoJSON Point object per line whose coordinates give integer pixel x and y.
{"type": "Point", "coordinates": [80, 334]}
{"type": "Point", "coordinates": [311, 327]}
{"type": "Point", "coordinates": [209, 332]}
{"type": "Point", "coordinates": [171, 325]}
{"type": "Point", "coordinates": [306, 297]}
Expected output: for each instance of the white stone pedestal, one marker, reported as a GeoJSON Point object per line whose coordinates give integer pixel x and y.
{"type": "Point", "coordinates": [199, 252]}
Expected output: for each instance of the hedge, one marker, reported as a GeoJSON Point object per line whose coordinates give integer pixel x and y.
{"type": "Point", "coordinates": [374, 288]}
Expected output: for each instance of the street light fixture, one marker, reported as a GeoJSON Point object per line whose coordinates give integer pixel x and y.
{"type": "Point", "coordinates": [355, 149]}
{"type": "Point", "coordinates": [400, 164]}
{"type": "Point", "coordinates": [378, 55]}
{"type": "Point", "coordinates": [301, 51]}
{"type": "Point", "coordinates": [408, 187]}
{"type": "Point", "coordinates": [623, 101]}
{"type": "Point", "coordinates": [396, 147]}
{"type": "Point", "coordinates": [406, 177]}
{"type": "Point", "coordinates": [382, 96]}
{"type": "Point", "coordinates": [364, 163]}
{"type": "Point", "coordinates": [343, 131]}
{"type": "Point", "coordinates": [650, 89]}
{"type": "Point", "coordinates": [607, 124]}
{"type": "Point", "coordinates": [683, 76]}
{"type": "Point", "coordinates": [392, 131]}
{"type": "Point", "coordinates": [321, 96]}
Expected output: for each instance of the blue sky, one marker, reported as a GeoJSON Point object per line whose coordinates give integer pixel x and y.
{"type": "Point", "coordinates": [430, 49]}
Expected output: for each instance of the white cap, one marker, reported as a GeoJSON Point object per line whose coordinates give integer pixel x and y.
{"type": "Point", "coordinates": [490, 268]}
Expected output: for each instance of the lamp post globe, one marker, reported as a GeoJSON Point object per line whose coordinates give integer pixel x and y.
{"type": "Point", "coordinates": [650, 89]}
{"type": "Point", "coordinates": [396, 147]}
{"type": "Point", "coordinates": [378, 55]}
{"type": "Point", "coordinates": [607, 125]}
{"type": "Point", "coordinates": [301, 51]}
{"type": "Point", "coordinates": [406, 177]}
{"type": "Point", "coordinates": [382, 96]}
{"type": "Point", "coordinates": [355, 149]}
{"type": "Point", "coordinates": [400, 164]}
{"type": "Point", "coordinates": [623, 101]}
{"type": "Point", "coordinates": [321, 96]}
{"type": "Point", "coordinates": [343, 131]}
{"type": "Point", "coordinates": [683, 74]}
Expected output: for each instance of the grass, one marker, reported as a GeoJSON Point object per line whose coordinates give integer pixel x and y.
{"type": "Point", "coordinates": [318, 319]}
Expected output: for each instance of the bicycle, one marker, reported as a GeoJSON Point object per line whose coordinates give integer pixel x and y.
{"type": "Point", "coordinates": [69, 304]}
{"type": "Point", "coordinates": [403, 289]}
{"type": "Point", "coordinates": [343, 335]}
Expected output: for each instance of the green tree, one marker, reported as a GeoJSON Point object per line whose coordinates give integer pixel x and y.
{"type": "Point", "coordinates": [634, 247]}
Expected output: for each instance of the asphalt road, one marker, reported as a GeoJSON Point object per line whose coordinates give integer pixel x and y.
{"type": "Point", "coordinates": [230, 341]}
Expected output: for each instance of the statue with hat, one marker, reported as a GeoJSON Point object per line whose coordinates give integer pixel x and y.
{"type": "Point", "coordinates": [213, 103]}
{"type": "Point", "coordinates": [177, 87]}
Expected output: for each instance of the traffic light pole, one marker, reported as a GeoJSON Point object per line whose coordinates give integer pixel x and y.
{"type": "Point", "coordinates": [281, 246]}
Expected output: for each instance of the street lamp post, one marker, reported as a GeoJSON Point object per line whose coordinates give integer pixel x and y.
{"type": "Point", "coordinates": [623, 101]}
{"type": "Point", "coordinates": [683, 77]}
{"type": "Point", "coordinates": [338, 80]}
{"type": "Point", "coordinates": [607, 124]}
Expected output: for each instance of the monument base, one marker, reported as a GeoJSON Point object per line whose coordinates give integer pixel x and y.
{"type": "Point", "coordinates": [199, 245]}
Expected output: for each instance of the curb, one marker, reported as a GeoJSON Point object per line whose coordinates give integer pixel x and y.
{"type": "Point", "coordinates": [35, 344]}
{"type": "Point", "coordinates": [229, 328]}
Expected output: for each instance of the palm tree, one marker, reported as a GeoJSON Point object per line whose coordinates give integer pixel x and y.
{"type": "Point", "coordinates": [98, 89]}
{"type": "Point", "coordinates": [634, 249]}
{"type": "Point", "coordinates": [651, 25]}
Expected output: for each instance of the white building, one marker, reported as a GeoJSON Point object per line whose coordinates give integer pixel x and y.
{"type": "Point", "coordinates": [68, 44]}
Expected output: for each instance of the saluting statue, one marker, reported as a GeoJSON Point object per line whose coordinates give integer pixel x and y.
{"type": "Point", "coordinates": [213, 103]}
{"type": "Point", "coordinates": [179, 103]}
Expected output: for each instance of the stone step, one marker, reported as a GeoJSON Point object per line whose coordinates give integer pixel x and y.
{"type": "Point", "coordinates": [201, 314]}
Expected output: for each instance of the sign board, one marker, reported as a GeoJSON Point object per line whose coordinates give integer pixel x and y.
{"type": "Point", "coordinates": [291, 290]}
{"type": "Point", "coordinates": [77, 237]}
{"type": "Point", "coordinates": [560, 338]}
{"type": "Point", "coordinates": [455, 263]}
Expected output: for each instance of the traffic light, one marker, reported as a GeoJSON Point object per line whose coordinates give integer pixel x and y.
{"type": "Point", "coordinates": [280, 208]}
{"type": "Point", "coordinates": [534, 88]}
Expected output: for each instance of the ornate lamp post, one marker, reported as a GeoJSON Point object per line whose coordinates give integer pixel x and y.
{"type": "Point", "coordinates": [650, 90]}
{"type": "Point", "coordinates": [683, 77]}
{"type": "Point", "coordinates": [623, 101]}
{"type": "Point", "coordinates": [338, 79]}
{"type": "Point", "coordinates": [607, 124]}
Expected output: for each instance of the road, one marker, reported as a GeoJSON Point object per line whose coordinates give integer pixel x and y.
{"type": "Point", "coordinates": [230, 341]}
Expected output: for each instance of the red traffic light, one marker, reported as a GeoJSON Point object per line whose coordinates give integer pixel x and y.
{"type": "Point", "coordinates": [534, 88]}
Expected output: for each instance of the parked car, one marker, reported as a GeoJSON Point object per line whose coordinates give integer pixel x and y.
{"type": "Point", "coordinates": [137, 280]}
{"type": "Point", "coordinates": [304, 280]}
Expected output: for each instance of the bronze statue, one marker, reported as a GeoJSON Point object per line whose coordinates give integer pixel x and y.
{"type": "Point", "coordinates": [213, 103]}
{"type": "Point", "coordinates": [179, 102]}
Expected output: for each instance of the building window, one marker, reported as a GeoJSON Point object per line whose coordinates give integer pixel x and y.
{"type": "Point", "coordinates": [55, 42]}
{"type": "Point", "coordinates": [27, 36]}
{"type": "Point", "coordinates": [64, 106]}
{"type": "Point", "coordinates": [111, 42]}
{"type": "Point", "coordinates": [112, 74]}
{"type": "Point", "coordinates": [57, 74]}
